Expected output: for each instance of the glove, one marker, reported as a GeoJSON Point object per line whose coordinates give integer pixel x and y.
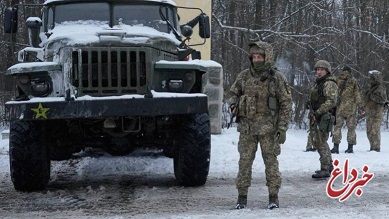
{"type": "Point", "coordinates": [280, 136]}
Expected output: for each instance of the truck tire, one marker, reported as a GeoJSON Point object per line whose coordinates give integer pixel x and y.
{"type": "Point", "coordinates": [28, 155]}
{"type": "Point", "coordinates": [191, 162]}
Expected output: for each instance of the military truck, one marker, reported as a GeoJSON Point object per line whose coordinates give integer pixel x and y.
{"type": "Point", "coordinates": [114, 75]}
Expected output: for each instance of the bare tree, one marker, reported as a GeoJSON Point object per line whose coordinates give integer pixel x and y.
{"type": "Point", "coordinates": [347, 32]}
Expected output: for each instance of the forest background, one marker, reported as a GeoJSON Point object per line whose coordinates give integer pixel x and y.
{"type": "Point", "coordinates": [344, 32]}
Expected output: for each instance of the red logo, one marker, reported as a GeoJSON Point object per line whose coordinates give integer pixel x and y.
{"type": "Point", "coordinates": [349, 184]}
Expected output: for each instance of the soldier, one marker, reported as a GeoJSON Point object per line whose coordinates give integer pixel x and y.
{"type": "Point", "coordinates": [375, 99]}
{"type": "Point", "coordinates": [322, 98]}
{"type": "Point", "coordinates": [263, 99]}
{"type": "Point", "coordinates": [349, 99]}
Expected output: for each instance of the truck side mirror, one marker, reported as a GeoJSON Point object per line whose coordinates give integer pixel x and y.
{"type": "Point", "coordinates": [10, 20]}
{"type": "Point", "coordinates": [34, 24]}
{"type": "Point", "coordinates": [204, 27]}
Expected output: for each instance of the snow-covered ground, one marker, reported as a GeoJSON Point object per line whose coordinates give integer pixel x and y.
{"type": "Point", "coordinates": [141, 185]}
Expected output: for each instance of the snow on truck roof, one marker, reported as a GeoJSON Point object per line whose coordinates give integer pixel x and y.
{"type": "Point", "coordinates": [160, 1]}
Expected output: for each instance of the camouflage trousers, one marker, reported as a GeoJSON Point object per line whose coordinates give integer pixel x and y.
{"type": "Point", "coordinates": [351, 122]}
{"type": "Point", "coordinates": [247, 147]}
{"type": "Point", "coordinates": [373, 131]}
{"type": "Point", "coordinates": [320, 141]}
{"type": "Point", "coordinates": [310, 140]}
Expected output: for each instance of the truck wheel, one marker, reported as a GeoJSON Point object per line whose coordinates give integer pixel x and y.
{"type": "Point", "coordinates": [28, 155]}
{"type": "Point", "coordinates": [170, 149]}
{"type": "Point", "coordinates": [168, 152]}
{"type": "Point", "coordinates": [191, 162]}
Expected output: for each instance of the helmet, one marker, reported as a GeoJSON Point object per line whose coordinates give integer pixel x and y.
{"type": "Point", "coordinates": [323, 64]}
{"type": "Point", "coordinates": [375, 76]}
{"type": "Point", "coordinates": [262, 48]}
{"type": "Point", "coordinates": [346, 68]}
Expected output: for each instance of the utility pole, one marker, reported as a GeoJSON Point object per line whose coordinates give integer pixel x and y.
{"type": "Point", "coordinates": [12, 40]}
{"type": "Point", "coordinates": [10, 51]}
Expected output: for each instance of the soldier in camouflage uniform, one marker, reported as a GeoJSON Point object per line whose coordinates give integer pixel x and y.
{"type": "Point", "coordinates": [375, 99]}
{"type": "Point", "coordinates": [263, 99]}
{"type": "Point", "coordinates": [349, 98]}
{"type": "Point", "coordinates": [323, 96]}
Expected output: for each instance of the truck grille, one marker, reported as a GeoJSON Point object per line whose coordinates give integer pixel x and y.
{"type": "Point", "coordinates": [109, 71]}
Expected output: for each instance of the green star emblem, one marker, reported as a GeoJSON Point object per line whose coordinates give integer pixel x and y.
{"type": "Point", "coordinates": [40, 111]}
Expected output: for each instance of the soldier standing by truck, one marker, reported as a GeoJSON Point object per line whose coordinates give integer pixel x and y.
{"type": "Point", "coordinates": [322, 98]}
{"type": "Point", "coordinates": [264, 112]}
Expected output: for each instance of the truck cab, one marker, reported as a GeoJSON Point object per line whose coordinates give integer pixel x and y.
{"type": "Point", "coordinates": [115, 75]}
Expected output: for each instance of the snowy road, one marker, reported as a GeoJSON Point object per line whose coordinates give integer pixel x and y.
{"type": "Point", "coordinates": [158, 196]}
{"type": "Point", "coordinates": [95, 185]}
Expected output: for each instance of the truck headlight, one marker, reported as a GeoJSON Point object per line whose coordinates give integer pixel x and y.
{"type": "Point", "coordinates": [175, 85]}
{"type": "Point", "coordinates": [189, 76]}
{"type": "Point", "coordinates": [40, 89]}
{"type": "Point", "coordinates": [24, 79]}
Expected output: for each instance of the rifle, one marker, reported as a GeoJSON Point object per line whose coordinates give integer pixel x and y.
{"type": "Point", "coordinates": [313, 124]}
{"type": "Point", "coordinates": [234, 113]}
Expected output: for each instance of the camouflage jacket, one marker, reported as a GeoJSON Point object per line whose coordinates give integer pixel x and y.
{"type": "Point", "coordinates": [265, 101]}
{"type": "Point", "coordinates": [375, 97]}
{"type": "Point", "coordinates": [323, 94]}
{"type": "Point", "coordinates": [349, 96]}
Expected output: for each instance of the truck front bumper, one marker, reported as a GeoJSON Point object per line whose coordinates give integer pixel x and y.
{"type": "Point", "coordinates": [102, 108]}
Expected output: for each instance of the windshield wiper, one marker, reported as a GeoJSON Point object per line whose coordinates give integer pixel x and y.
{"type": "Point", "coordinates": [168, 22]}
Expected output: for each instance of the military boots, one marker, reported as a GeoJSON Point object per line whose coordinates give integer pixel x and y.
{"type": "Point", "coordinates": [273, 202]}
{"type": "Point", "coordinates": [242, 202]}
{"type": "Point", "coordinates": [349, 149]}
{"type": "Point", "coordinates": [329, 170]}
{"type": "Point", "coordinates": [321, 174]}
{"type": "Point", "coordinates": [335, 150]}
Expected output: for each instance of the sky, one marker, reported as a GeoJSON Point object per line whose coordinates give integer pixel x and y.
{"type": "Point", "coordinates": [295, 165]}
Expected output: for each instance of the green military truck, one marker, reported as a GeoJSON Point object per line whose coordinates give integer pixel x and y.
{"type": "Point", "coordinates": [112, 74]}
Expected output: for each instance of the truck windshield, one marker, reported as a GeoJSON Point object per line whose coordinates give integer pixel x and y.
{"type": "Point", "coordinates": [78, 12]}
{"type": "Point", "coordinates": [144, 15]}
{"type": "Point", "coordinates": [133, 15]}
